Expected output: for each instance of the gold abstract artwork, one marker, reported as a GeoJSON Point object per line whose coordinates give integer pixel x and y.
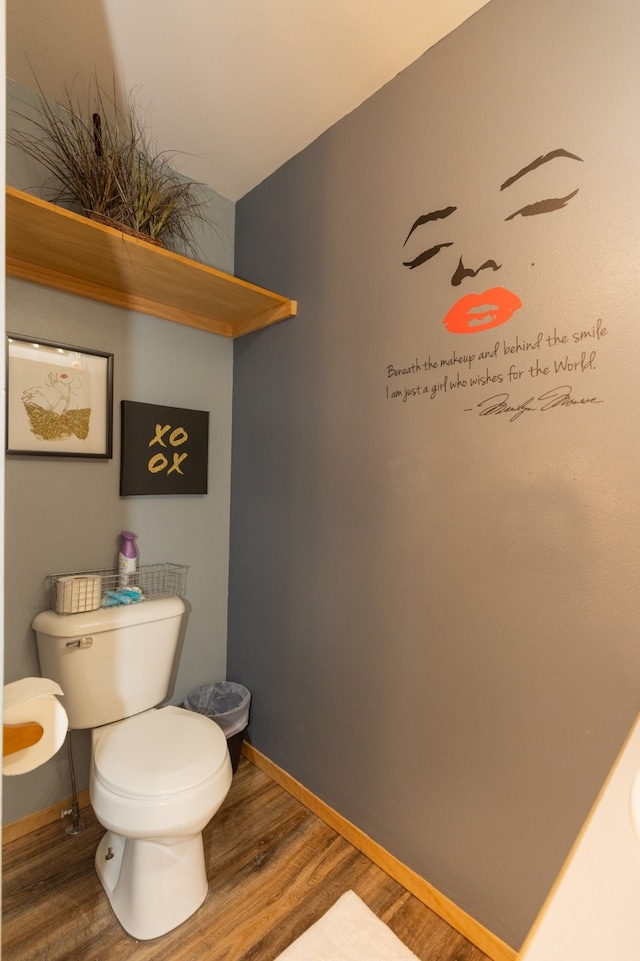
{"type": "Point", "coordinates": [49, 425]}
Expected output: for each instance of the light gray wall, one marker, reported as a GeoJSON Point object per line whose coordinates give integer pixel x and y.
{"type": "Point", "coordinates": [435, 606]}
{"type": "Point", "coordinates": [66, 513]}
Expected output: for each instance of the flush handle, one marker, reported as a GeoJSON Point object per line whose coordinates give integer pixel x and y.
{"type": "Point", "coordinates": [82, 643]}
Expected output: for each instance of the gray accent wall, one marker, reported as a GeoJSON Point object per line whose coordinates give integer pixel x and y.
{"type": "Point", "coordinates": [434, 561]}
{"type": "Point", "coordinates": [65, 514]}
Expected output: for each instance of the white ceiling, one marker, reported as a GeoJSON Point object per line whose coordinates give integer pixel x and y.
{"type": "Point", "coordinates": [237, 86]}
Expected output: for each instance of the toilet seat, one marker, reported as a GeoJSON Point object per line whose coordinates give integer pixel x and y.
{"type": "Point", "coordinates": [159, 752]}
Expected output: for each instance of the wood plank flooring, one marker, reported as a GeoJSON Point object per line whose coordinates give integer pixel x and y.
{"type": "Point", "coordinates": [274, 868]}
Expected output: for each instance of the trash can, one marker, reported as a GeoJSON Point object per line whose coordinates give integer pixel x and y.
{"type": "Point", "coordinates": [226, 703]}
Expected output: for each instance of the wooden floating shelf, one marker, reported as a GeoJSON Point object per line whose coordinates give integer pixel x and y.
{"type": "Point", "coordinates": [50, 245]}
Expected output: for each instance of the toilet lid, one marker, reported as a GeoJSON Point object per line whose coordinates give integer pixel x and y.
{"type": "Point", "coordinates": [160, 752]}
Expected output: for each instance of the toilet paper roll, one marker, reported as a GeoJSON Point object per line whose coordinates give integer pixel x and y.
{"type": "Point", "coordinates": [76, 593]}
{"type": "Point", "coordinates": [34, 699]}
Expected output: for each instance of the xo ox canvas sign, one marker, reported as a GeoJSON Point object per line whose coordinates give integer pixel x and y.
{"type": "Point", "coordinates": [164, 450]}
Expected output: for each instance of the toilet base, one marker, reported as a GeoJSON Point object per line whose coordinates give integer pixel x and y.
{"type": "Point", "coordinates": [152, 885]}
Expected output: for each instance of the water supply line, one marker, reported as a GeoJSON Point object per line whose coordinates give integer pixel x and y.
{"type": "Point", "coordinates": [77, 824]}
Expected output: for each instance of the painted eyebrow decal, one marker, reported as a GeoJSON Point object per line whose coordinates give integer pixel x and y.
{"type": "Point", "coordinates": [434, 215]}
{"type": "Point", "coordinates": [542, 206]}
{"type": "Point", "coordinates": [544, 158]}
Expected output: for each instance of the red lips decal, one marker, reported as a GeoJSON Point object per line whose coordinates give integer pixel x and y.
{"type": "Point", "coordinates": [477, 312]}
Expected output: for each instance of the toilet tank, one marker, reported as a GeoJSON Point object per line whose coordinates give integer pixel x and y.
{"type": "Point", "coordinates": [110, 663]}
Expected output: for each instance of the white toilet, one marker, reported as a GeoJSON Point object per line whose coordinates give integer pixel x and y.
{"type": "Point", "coordinates": [158, 775]}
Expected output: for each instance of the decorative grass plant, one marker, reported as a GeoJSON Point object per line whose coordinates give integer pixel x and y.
{"type": "Point", "coordinates": [101, 160]}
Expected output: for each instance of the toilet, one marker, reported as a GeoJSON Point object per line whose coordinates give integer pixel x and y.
{"type": "Point", "coordinates": [158, 774]}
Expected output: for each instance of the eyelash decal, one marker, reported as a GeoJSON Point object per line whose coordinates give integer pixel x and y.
{"type": "Point", "coordinates": [542, 207]}
{"type": "Point", "coordinates": [424, 256]}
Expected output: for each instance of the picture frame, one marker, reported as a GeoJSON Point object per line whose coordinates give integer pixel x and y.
{"type": "Point", "coordinates": [59, 399]}
{"type": "Point", "coordinates": [164, 450]}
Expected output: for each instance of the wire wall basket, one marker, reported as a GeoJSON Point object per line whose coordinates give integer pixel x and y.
{"type": "Point", "coordinates": [79, 591]}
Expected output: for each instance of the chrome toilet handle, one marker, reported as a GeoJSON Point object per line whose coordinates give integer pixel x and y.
{"type": "Point", "coordinates": [82, 643]}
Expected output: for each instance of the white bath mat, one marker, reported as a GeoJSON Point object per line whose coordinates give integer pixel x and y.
{"type": "Point", "coordinates": [349, 931]}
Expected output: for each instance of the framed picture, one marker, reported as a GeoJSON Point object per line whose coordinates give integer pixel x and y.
{"type": "Point", "coordinates": [59, 399]}
{"type": "Point", "coordinates": [165, 450]}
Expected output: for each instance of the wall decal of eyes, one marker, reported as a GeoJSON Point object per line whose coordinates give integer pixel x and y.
{"type": "Point", "coordinates": [477, 312]}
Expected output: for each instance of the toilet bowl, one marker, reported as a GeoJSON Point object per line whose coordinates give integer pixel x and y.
{"type": "Point", "coordinates": [156, 780]}
{"type": "Point", "coordinates": [158, 774]}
